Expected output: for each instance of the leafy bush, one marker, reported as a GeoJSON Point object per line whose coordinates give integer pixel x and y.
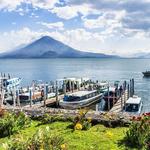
{"type": "Point", "coordinates": [80, 122]}
{"type": "Point", "coordinates": [11, 123]}
{"type": "Point", "coordinates": [6, 125]}
{"type": "Point", "coordinates": [47, 119]}
{"type": "Point", "coordinates": [139, 132]}
{"type": "Point", "coordinates": [41, 140]}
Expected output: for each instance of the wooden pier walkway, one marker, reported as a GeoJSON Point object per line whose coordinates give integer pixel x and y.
{"type": "Point", "coordinates": [49, 101]}
{"type": "Point", "coordinates": [118, 106]}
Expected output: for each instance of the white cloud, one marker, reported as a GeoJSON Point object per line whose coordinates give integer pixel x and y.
{"type": "Point", "coordinates": [11, 5]}
{"type": "Point", "coordinates": [68, 12]}
{"type": "Point", "coordinates": [44, 4]}
{"type": "Point", "coordinates": [108, 22]}
{"type": "Point", "coordinates": [55, 25]}
{"type": "Point", "coordinates": [12, 39]}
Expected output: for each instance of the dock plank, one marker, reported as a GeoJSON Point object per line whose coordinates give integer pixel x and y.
{"type": "Point", "coordinates": [117, 106]}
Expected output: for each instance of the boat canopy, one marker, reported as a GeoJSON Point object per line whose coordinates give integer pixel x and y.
{"type": "Point", "coordinates": [81, 93]}
{"type": "Point", "coordinates": [134, 100]}
{"type": "Point", "coordinates": [80, 80]}
{"type": "Point", "coordinates": [103, 83]}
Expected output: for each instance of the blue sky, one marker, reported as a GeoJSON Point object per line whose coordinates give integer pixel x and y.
{"type": "Point", "coordinates": [105, 26]}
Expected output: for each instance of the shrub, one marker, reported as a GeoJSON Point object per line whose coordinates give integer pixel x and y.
{"type": "Point", "coordinates": [46, 119]}
{"type": "Point", "coordinates": [80, 122]}
{"type": "Point", "coordinates": [139, 132]}
{"type": "Point", "coordinates": [11, 123]}
{"type": "Point", "coordinates": [6, 125]}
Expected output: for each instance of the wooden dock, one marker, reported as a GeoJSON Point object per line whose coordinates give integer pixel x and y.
{"type": "Point", "coordinates": [50, 101]}
{"type": "Point", "coordinates": [118, 106]}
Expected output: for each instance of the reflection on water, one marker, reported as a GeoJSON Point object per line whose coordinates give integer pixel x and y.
{"type": "Point", "coordinates": [101, 105]}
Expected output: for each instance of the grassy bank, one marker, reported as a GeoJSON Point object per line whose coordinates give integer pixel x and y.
{"type": "Point", "coordinates": [97, 137]}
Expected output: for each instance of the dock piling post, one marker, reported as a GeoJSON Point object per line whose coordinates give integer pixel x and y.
{"type": "Point", "coordinates": [108, 99]}
{"type": "Point", "coordinates": [78, 85]}
{"type": "Point", "coordinates": [124, 90]}
{"type": "Point", "coordinates": [70, 85]}
{"type": "Point", "coordinates": [64, 87]}
{"type": "Point", "coordinates": [128, 90]}
{"type": "Point", "coordinates": [113, 99]}
{"type": "Point", "coordinates": [45, 93]}
{"type": "Point", "coordinates": [14, 98]}
{"type": "Point", "coordinates": [132, 87]}
{"type": "Point", "coordinates": [121, 102]}
{"type": "Point", "coordinates": [57, 102]}
{"type": "Point", "coordinates": [18, 99]}
{"type": "Point", "coordinates": [30, 93]}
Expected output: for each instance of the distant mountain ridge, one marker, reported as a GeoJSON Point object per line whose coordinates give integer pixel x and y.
{"type": "Point", "coordinates": [47, 47]}
{"type": "Point", "coordinates": [142, 55]}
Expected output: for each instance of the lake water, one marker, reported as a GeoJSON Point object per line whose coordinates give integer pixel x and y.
{"type": "Point", "coordinates": [94, 68]}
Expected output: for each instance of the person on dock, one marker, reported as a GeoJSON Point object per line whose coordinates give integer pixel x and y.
{"type": "Point", "coordinates": [120, 90]}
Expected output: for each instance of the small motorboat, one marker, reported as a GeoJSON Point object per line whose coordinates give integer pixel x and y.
{"type": "Point", "coordinates": [133, 105]}
{"type": "Point", "coordinates": [146, 73]}
{"type": "Point", "coordinates": [80, 99]}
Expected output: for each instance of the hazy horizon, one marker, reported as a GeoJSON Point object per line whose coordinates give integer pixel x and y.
{"type": "Point", "coordinates": [100, 26]}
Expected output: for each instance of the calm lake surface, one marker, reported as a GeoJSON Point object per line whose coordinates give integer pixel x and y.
{"type": "Point", "coordinates": [94, 68]}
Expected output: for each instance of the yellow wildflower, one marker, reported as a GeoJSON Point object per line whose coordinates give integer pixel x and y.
{"type": "Point", "coordinates": [109, 134]}
{"type": "Point", "coordinates": [82, 112]}
{"type": "Point", "coordinates": [78, 126]}
{"type": "Point", "coordinates": [63, 146]}
{"type": "Point", "coordinates": [89, 119]}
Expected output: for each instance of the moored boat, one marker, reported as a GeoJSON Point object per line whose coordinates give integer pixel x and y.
{"type": "Point", "coordinates": [80, 99]}
{"type": "Point", "coordinates": [102, 86]}
{"type": "Point", "coordinates": [146, 73]}
{"type": "Point", "coordinates": [133, 105]}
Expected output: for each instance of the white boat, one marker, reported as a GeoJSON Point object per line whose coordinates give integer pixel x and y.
{"type": "Point", "coordinates": [12, 83]}
{"type": "Point", "coordinates": [51, 95]}
{"type": "Point", "coordinates": [80, 99]}
{"type": "Point", "coordinates": [133, 105]}
{"type": "Point", "coordinates": [103, 86]}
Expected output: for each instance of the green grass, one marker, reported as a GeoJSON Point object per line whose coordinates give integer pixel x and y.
{"type": "Point", "coordinates": [94, 139]}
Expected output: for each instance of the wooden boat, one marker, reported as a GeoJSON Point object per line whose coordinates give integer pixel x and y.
{"type": "Point", "coordinates": [80, 99]}
{"type": "Point", "coordinates": [133, 105]}
{"type": "Point", "coordinates": [146, 73]}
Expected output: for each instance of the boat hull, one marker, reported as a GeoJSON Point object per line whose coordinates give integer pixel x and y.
{"type": "Point", "coordinates": [80, 104]}
{"type": "Point", "coordinates": [146, 74]}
